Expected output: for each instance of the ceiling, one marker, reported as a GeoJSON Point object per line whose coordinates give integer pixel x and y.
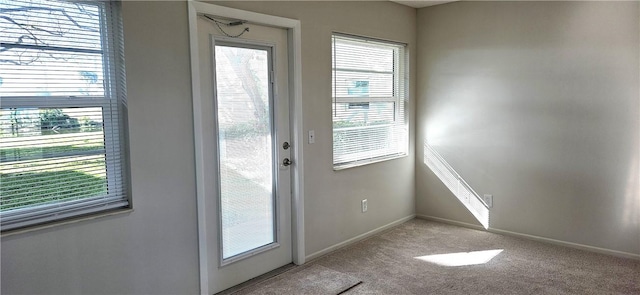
{"type": "Point", "coordinates": [422, 3]}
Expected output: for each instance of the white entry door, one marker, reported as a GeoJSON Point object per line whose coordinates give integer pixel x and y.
{"type": "Point", "coordinates": [246, 79]}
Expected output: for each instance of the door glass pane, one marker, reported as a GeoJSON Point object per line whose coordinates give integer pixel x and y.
{"type": "Point", "coordinates": [246, 154]}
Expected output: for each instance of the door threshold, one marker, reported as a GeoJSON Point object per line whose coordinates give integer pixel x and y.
{"type": "Point", "coordinates": [256, 280]}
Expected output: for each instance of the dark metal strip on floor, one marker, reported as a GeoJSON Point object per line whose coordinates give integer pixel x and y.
{"type": "Point", "coordinates": [257, 280]}
{"type": "Point", "coordinates": [347, 289]}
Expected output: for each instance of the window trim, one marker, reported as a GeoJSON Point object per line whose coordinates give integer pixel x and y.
{"type": "Point", "coordinates": [401, 94]}
{"type": "Point", "coordinates": [66, 221]}
{"type": "Point", "coordinates": [115, 130]}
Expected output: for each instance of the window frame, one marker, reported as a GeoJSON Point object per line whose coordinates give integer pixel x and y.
{"type": "Point", "coordinates": [400, 99]}
{"type": "Point", "coordinates": [115, 131]}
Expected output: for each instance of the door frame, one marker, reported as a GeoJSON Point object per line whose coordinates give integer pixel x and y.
{"type": "Point", "coordinates": [205, 140]}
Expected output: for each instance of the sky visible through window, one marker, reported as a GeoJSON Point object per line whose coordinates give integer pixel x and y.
{"type": "Point", "coordinates": [50, 48]}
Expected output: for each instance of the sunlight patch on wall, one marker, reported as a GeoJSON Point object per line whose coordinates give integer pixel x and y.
{"type": "Point", "coordinates": [462, 258]}
{"type": "Point", "coordinates": [469, 198]}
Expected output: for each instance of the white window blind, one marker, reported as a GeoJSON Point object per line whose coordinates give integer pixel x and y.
{"type": "Point", "coordinates": [369, 99]}
{"type": "Point", "coordinates": [62, 110]}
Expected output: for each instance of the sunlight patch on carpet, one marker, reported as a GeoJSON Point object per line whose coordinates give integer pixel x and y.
{"type": "Point", "coordinates": [461, 258]}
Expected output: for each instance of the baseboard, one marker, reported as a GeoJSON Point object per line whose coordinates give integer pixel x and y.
{"type": "Point", "coordinates": [449, 221]}
{"type": "Point", "coordinates": [535, 238]}
{"type": "Point", "coordinates": [568, 244]}
{"type": "Point", "coordinates": [358, 238]}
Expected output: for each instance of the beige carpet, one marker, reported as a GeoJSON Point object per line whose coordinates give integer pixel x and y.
{"type": "Point", "coordinates": [312, 279]}
{"type": "Point", "coordinates": [387, 264]}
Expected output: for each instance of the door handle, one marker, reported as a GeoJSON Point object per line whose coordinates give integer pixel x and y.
{"type": "Point", "coordinates": [286, 162]}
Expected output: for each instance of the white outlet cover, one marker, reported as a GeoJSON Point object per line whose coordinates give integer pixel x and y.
{"type": "Point", "coordinates": [312, 136]}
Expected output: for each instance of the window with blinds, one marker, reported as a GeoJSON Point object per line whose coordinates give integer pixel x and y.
{"type": "Point", "coordinates": [62, 110]}
{"type": "Point", "coordinates": [369, 99]}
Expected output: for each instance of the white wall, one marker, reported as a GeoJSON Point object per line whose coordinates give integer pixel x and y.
{"type": "Point", "coordinates": [153, 250]}
{"type": "Point", "coordinates": [332, 198]}
{"type": "Point", "coordinates": [538, 104]}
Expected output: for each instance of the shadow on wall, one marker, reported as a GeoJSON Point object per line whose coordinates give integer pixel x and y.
{"type": "Point", "coordinates": [456, 185]}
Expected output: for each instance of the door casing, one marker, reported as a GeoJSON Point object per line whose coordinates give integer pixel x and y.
{"type": "Point", "coordinates": [205, 142]}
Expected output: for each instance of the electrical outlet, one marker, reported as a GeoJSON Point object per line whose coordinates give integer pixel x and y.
{"type": "Point", "coordinates": [488, 199]}
{"type": "Point", "coordinates": [364, 205]}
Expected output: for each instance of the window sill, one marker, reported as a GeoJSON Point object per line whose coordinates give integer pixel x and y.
{"type": "Point", "coordinates": [367, 162]}
{"type": "Point", "coordinates": [66, 222]}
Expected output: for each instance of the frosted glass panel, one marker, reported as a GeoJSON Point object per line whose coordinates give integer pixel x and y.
{"type": "Point", "coordinates": [246, 155]}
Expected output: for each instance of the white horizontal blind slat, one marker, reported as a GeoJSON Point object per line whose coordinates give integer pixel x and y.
{"type": "Point", "coordinates": [61, 131]}
{"type": "Point", "coordinates": [54, 47]}
{"type": "Point", "coordinates": [369, 81]}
